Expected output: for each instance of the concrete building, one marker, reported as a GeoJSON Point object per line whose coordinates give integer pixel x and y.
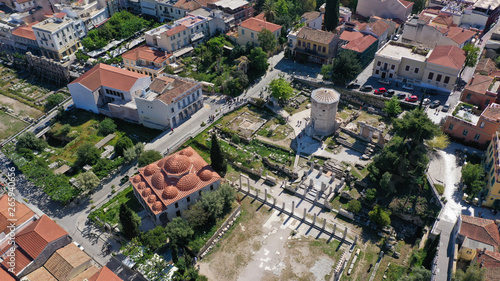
{"type": "Point", "coordinates": [168, 10]}
{"type": "Point", "coordinates": [220, 22]}
{"type": "Point", "coordinates": [248, 30]}
{"type": "Point", "coordinates": [239, 9]}
{"type": "Point", "coordinates": [324, 102]}
{"type": "Point", "coordinates": [147, 60]}
{"type": "Point", "coordinates": [25, 39]}
{"type": "Point", "coordinates": [168, 101]}
{"type": "Point", "coordinates": [363, 46]}
{"type": "Point", "coordinates": [481, 91]}
{"type": "Point", "coordinates": [110, 91]}
{"type": "Point", "coordinates": [389, 9]}
{"type": "Point", "coordinates": [312, 19]}
{"type": "Point", "coordinates": [492, 168]}
{"type": "Point", "coordinates": [437, 69]}
{"type": "Point", "coordinates": [476, 233]}
{"type": "Point", "coordinates": [472, 128]}
{"type": "Point", "coordinates": [314, 45]}
{"type": "Point", "coordinates": [167, 187]}
{"type": "Point", "coordinates": [490, 263]}
{"type": "Point", "coordinates": [57, 37]}
{"type": "Point", "coordinates": [378, 29]}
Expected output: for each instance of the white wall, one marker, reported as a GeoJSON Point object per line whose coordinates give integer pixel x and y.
{"type": "Point", "coordinates": [316, 23]}
{"type": "Point", "coordinates": [383, 9]}
{"type": "Point", "coordinates": [84, 98]}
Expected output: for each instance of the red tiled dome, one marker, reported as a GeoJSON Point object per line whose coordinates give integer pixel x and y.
{"type": "Point", "coordinates": [198, 164]}
{"type": "Point", "coordinates": [136, 178]}
{"type": "Point", "coordinates": [161, 163]}
{"type": "Point", "coordinates": [205, 175]}
{"type": "Point", "coordinates": [188, 182]}
{"type": "Point", "coordinates": [177, 164]}
{"type": "Point", "coordinates": [141, 185]}
{"type": "Point", "coordinates": [151, 198]}
{"type": "Point", "coordinates": [151, 169]}
{"type": "Point", "coordinates": [157, 180]}
{"type": "Point", "coordinates": [146, 192]}
{"type": "Point", "coordinates": [157, 206]}
{"type": "Point", "coordinates": [186, 152]}
{"type": "Point", "coordinates": [170, 192]}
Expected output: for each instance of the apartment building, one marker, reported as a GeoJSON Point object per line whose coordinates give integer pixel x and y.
{"type": "Point", "coordinates": [475, 235]}
{"type": "Point", "coordinates": [312, 19]}
{"type": "Point", "coordinates": [314, 45]}
{"type": "Point", "coordinates": [57, 37]}
{"type": "Point", "coordinates": [248, 30]}
{"type": "Point", "coordinates": [147, 60]}
{"type": "Point", "coordinates": [389, 9]}
{"type": "Point", "coordinates": [239, 9]}
{"type": "Point", "coordinates": [25, 39]}
{"type": "Point", "coordinates": [492, 168]}
{"type": "Point", "coordinates": [481, 91]}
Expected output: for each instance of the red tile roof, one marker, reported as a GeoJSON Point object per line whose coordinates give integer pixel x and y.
{"type": "Point", "coordinates": [22, 213]}
{"type": "Point", "coordinates": [448, 56]}
{"type": "Point", "coordinates": [105, 274]}
{"type": "Point", "coordinates": [65, 260]}
{"type": "Point", "coordinates": [361, 44]}
{"type": "Point", "coordinates": [192, 5]}
{"type": "Point", "coordinates": [316, 35]}
{"type": "Point", "coordinates": [160, 186]}
{"type": "Point", "coordinates": [257, 25]}
{"type": "Point", "coordinates": [443, 19]}
{"type": "Point", "coordinates": [35, 237]}
{"type": "Point", "coordinates": [175, 30]}
{"type": "Point", "coordinates": [490, 262]}
{"type": "Point", "coordinates": [60, 15]}
{"type": "Point", "coordinates": [378, 27]}
{"type": "Point", "coordinates": [41, 274]}
{"type": "Point", "coordinates": [308, 16]}
{"type": "Point", "coordinates": [406, 3]}
{"type": "Point", "coordinates": [480, 84]}
{"type": "Point", "coordinates": [5, 276]}
{"type": "Point", "coordinates": [147, 53]}
{"type": "Point", "coordinates": [109, 76]}
{"type": "Point", "coordinates": [26, 31]}
{"type": "Point", "coordinates": [492, 113]}
{"type": "Point", "coordinates": [460, 35]}
{"type": "Point", "coordinates": [348, 35]}
{"type": "Point", "coordinates": [21, 261]}
{"type": "Point", "coordinates": [479, 229]}
{"type": "Point", "coordinates": [170, 88]}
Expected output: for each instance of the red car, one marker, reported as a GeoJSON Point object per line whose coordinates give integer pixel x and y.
{"type": "Point", "coordinates": [380, 91]}
{"type": "Point", "coordinates": [412, 98]}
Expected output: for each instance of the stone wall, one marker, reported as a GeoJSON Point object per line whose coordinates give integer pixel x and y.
{"type": "Point", "coordinates": [48, 69]}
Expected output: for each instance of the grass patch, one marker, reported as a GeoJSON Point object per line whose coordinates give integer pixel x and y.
{"type": "Point", "coordinates": [439, 188]}
{"type": "Point", "coordinates": [395, 272]}
{"type": "Point", "coordinates": [9, 125]}
{"type": "Point", "coordinates": [331, 249]}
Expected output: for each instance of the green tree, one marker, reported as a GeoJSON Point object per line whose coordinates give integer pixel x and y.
{"type": "Point", "coordinates": [129, 222]}
{"type": "Point", "coordinates": [154, 239]}
{"type": "Point", "coordinates": [332, 15]}
{"type": "Point", "coordinates": [471, 56]}
{"type": "Point", "coordinates": [386, 184]}
{"type": "Point", "coordinates": [326, 71]}
{"type": "Point", "coordinates": [269, 9]}
{"type": "Point", "coordinates": [281, 89]}
{"type": "Point", "coordinates": [354, 206]}
{"type": "Point", "coordinates": [53, 100]}
{"type": "Point", "coordinates": [258, 61]}
{"type": "Point", "coordinates": [64, 130]}
{"type": "Point", "coordinates": [267, 40]}
{"type": "Point", "coordinates": [87, 181]}
{"type": "Point", "coordinates": [122, 144]}
{"type": "Point", "coordinates": [473, 273]}
{"type": "Point", "coordinates": [392, 107]}
{"type": "Point", "coordinates": [371, 194]}
{"type": "Point", "coordinates": [441, 141]}
{"type": "Point", "coordinates": [344, 68]}
{"type": "Point", "coordinates": [30, 141]}
{"type": "Point", "coordinates": [415, 126]}
{"type": "Point", "coordinates": [81, 57]}
{"type": "Point", "coordinates": [227, 194]}
{"type": "Point", "coordinates": [148, 157]}
{"type": "Point", "coordinates": [87, 154]}
{"type": "Point", "coordinates": [179, 231]}
{"type": "Point", "coordinates": [212, 204]}
{"type": "Point", "coordinates": [418, 274]}
{"type": "Point", "coordinates": [130, 154]}
{"type": "Point", "coordinates": [196, 215]}
{"type": "Point", "coordinates": [473, 177]}
{"type": "Point", "coordinates": [379, 216]}
{"type": "Point", "coordinates": [307, 6]}
{"type": "Point", "coordinates": [107, 126]}
{"type": "Point", "coordinates": [217, 160]}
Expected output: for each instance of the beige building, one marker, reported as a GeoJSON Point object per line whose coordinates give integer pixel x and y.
{"type": "Point", "coordinates": [248, 31]}
{"type": "Point", "coordinates": [324, 110]}
{"type": "Point", "coordinates": [147, 60]}
{"type": "Point", "coordinates": [389, 9]}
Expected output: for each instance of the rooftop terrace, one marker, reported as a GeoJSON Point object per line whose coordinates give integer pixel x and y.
{"type": "Point", "coordinates": [398, 52]}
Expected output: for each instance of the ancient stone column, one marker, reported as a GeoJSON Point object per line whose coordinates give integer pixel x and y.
{"type": "Point", "coordinates": [333, 177]}
{"type": "Point", "coordinates": [283, 208]}
{"type": "Point", "coordinates": [345, 233]}
{"type": "Point", "coordinates": [324, 224]}
{"type": "Point", "coordinates": [265, 195]}
{"type": "Point", "coordinates": [240, 184]}
{"type": "Point", "coordinates": [323, 186]}
{"type": "Point", "coordinates": [314, 219]}
{"type": "Point", "coordinates": [311, 182]}
{"type": "Point", "coordinates": [304, 215]}
{"type": "Point", "coordinates": [274, 202]}
{"type": "Point", "coordinates": [321, 170]}
{"type": "Point", "coordinates": [293, 207]}
{"type": "Point", "coordinates": [334, 229]}
{"type": "Point", "coordinates": [355, 239]}
{"type": "Point", "coordinates": [257, 193]}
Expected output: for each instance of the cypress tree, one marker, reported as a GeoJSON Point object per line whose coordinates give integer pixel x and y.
{"type": "Point", "coordinates": [331, 15]}
{"type": "Point", "coordinates": [129, 221]}
{"type": "Point", "coordinates": [218, 162]}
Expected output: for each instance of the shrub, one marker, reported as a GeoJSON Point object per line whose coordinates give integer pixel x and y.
{"type": "Point", "coordinates": [107, 126]}
{"type": "Point", "coordinates": [354, 206]}
{"type": "Point", "coordinates": [235, 139]}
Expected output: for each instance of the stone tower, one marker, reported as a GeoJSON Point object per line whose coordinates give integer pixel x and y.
{"type": "Point", "coordinates": [325, 102]}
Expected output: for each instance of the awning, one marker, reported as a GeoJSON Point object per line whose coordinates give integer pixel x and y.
{"type": "Point", "coordinates": [182, 51]}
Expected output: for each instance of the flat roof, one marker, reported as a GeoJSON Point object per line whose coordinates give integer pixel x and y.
{"type": "Point", "coordinates": [231, 4]}
{"type": "Point", "coordinates": [398, 52]}
{"type": "Point", "coordinates": [51, 25]}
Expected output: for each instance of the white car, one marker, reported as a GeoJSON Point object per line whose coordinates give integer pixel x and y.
{"type": "Point", "coordinates": [384, 81]}
{"type": "Point", "coordinates": [396, 37]}
{"type": "Point", "coordinates": [426, 101]}
{"type": "Point", "coordinates": [408, 87]}
{"type": "Point", "coordinates": [78, 245]}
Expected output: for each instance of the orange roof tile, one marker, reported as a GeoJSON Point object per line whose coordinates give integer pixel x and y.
{"type": "Point", "coordinates": [360, 44]}
{"type": "Point", "coordinates": [169, 88]}
{"type": "Point", "coordinates": [378, 27]}
{"type": "Point", "coordinates": [41, 274]}
{"type": "Point", "coordinates": [406, 3]}
{"type": "Point", "coordinates": [443, 19]}
{"type": "Point", "coordinates": [492, 112]}
{"type": "Point", "coordinates": [66, 259]}
{"type": "Point", "coordinates": [147, 53]}
{"type": "Point", "coordinates": [109, 76]}
{"type": "Point", "coordinates": [348, 35]}
{"type": "Point", "coordinates": [261, 16]}
{"type": "Point", "coordinates": [86, 274]}
{"type": "Point", "coordinates": [460, 35]}
{"type": "Point", "coordinates": [479, 229]}
{"type": "Point", "coordinates": [257, 25]}
{"type": "Point", "coordinates": [480, 84]}
{"type": "Point", "coordinates": [105, 274]}
{"type": "Point", "coordinates": [22, 260]}
{"type": "Point", "coordinates": [448, 56]}
{"type": "Point", "coordinates": [22, 213]}
{"type": "Point", "coordinates": [36, 236]}
{"type": "Point", "coordinates": [26, 31]}
{"type": "Point", "coordinates": [175, 30]}
{"type": "Point", "coordinates": [315, 35]}
{"type": "Point", "coordinates": [490, 262]}
{"type": "Point", "coordinates": [177, 176]}
{"type": "Point", "coordinates": [5, 276]}
{"type": "Point", "coordinates": [308, 16]}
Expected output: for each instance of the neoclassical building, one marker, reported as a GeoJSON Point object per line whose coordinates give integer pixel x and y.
{"type": "Point", "coordinates": [168, 186]}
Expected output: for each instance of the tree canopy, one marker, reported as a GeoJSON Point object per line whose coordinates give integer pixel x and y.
{"type": "Point", "coordinates": [30, 141]}
{"type": "Point", "coordinates": [380, 216]}
{"type": "Point", "coordinates": [332, 15]}
{"type": "Point", "coordinates": [415, 126]}
{"type": "Point", "coordinates": [267, 40]}
{"type": "Point", "coordinates": [87, 181]}
{"type": "Point", "coordinates": [129, 222]}
{"type": "Point", "coordinates": [217, 160]}
{"type": "Point", "coordinates": [148, 157]}
{"type": "Point", "coordinates": [122, 144]}
{"type": "Point", "coordinates": [87, 154]}
{"type": "Point", "coordinates": [473, 273]}
{"type": "Point", "coordinates": [107, 126]}
{"type": "Point", "coordinates": [178, 231]}
{"type": "Point", "coordinates": [418, 274]}
{"type": "Point", "coordinates": [473, 178]}
{"type": "Point", "coordinates": [53, 100]}
{"type": "Point", "coordinates": [392, 107]}
{"type": "Point", "coordinates": [471, 54]}
{"type": "Point", "coordinates": [354, 206]}
{"type": "Point", "coordinates": [258, 61]}
{"type": "Point", "coordinates": [345, 68]}
{"type": "Point", "coordinates": [281, 89]}
{"type": "Point", "coordinates": [155, 238]}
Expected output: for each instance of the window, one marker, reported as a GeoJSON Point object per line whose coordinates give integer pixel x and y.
{"type": "Point", "coordinates": [212, 187]}
{"type": "Point", "coordinates": [298, 43]}
{"type": "Point", "coordinates": [416, 69]}
{"type": "Point", "coordinates": [173, 110]}
{"type": "Point", "coordinates": [243, 33]}
{"type": "Point", "coordinates": [407, 68]}
{"type": "Point", "coordinates": [492, 181]}
{"type": "Point", "coordinates": [438, 78]}
{"type": "Point", "coordinates": [487, 102]}
{"type": "Point", "coordinates": [450, 127]}
{"type": "Point", "coordinates": [376, 71]}
{"type": "Point", "coordinates": [314, 47]}
{"type": "Point", "coordinates": [482, 125]}
{"type": "Point", "coordinates": [178, 213]}
{"type": "Point", "coordinates": [378, 63]}
{"type": "Point", "coordinates": [468, 96]}
{"type": "Point", "coordinates": [446, 80]}
{"type": "Point", "coordinates": [176, 205]}
{"type": "Point", "coordinates": [324, 49]}
{"type": "Point", "coordinates": [188, 199]}
{"type": "Point", "coordinates": [393, 66]}
{"type": "Point", "coordinates": [465, 132]}
{"type": "Point", "coordinates": [390, 75]}
{"type": "Point", "coordinates": [476, 137]}
{"type": "Point", "coordinates": [251, 35]}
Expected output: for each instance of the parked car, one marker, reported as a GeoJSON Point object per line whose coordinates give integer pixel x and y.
{"type": "Point", "coordinates": [408, 87]}
{"type": "Point", "coordinates": [426, 101]}
{"type": "Point", "coordinates": [380, 91]}
{"type": "Point", "coordinates": [412, 98]}
{"type": "Point", "coordinates": [353, 86]}
{"type": "Point", "coordinates": [384, 81]}
{"type": "Point", "coordinates": [78, 245]}
{"type": "Point", "coordinates": [435, 104]}
{"type": "Point", "coordinates": [396, 37]}
{"type": "Point", "coordinates": [401, 96]}
{"type": "Point", "coordinates": [367, 88]}
{"type": "Point", "coordinates": [389, 93]}
{"type": "Point", "coordinates": [445, 108]}
{"type": "Point", "coordinates": [124, 179]}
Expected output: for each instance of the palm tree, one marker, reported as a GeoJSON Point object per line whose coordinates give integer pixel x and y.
{"type": "Point", "coordinates": [269, 10]}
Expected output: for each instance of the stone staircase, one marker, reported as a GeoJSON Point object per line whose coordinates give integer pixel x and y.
{"type": "Point", "coordinates": [338, 169]}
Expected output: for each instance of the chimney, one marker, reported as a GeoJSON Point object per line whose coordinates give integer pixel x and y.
{"type": "Point", "coordinates": [471, 80]}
